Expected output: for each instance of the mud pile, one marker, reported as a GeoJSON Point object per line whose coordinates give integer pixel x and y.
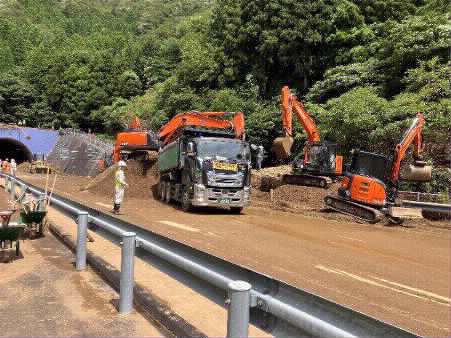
{"type": "Point", "coordinates": [24, 167]}
{"type": "Point", "coordinates": [268, 178]}
{"type": "Point", "coordinates": [267, 184]}
{"type": "Point", "coordinates": [141, 177]}
{"type": "Point", "coordinates": [311, 198]}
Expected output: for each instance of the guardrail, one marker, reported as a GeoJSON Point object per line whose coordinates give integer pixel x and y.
{"type": "Point", "coordinates": [272, 305]}
{"type": "Point", "coordinates": [428, 206]}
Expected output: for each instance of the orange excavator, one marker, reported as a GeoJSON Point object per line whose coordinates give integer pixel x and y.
{"type": "Point", "coordinates": [135, 143]}
{"type": "Point", "coordinates": [319, 162]}
{"type": "Point", "coordinates": [369, 188]}
{"type": "Point", "coordinates": [204, 121]}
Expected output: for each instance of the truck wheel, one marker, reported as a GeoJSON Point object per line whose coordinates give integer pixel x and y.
{"type": "Point", "coordinates": [167, 197]}
{"type": "Point", "coordinates": [186, 203]}
{"type": "Point", "coordinates": [236, 210]}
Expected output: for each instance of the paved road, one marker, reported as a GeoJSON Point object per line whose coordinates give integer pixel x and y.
{"type": "Point", "coordinates": [398, 275]}
{"type": "Point", "coordinates": [41, 295]}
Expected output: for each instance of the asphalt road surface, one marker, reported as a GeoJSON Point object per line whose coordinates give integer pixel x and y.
{"type": "Point", "coordinates": [396, 274]}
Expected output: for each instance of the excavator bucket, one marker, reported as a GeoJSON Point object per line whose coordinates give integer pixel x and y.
{"type": "Point", "coordinates": [281, 147]}
{"type": "Point", "coordinates": [418, 172]}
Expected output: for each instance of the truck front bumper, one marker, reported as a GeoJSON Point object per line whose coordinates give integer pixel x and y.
{"type": "Point", "coordinates": [226, 197]}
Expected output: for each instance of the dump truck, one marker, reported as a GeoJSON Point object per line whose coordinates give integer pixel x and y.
{"type": "Point", "coordinates": [204, 161]}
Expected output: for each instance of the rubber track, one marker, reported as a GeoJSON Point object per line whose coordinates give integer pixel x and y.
{"type": "Point", "coordinates": [358, 211]}
{"type": "Point", "coordinates": [307, 180]}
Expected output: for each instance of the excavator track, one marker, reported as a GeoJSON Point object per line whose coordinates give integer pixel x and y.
{"type": "Point", "coordinates": [307, 180]}
{"type": "Point", "coordinates": [359, 211]}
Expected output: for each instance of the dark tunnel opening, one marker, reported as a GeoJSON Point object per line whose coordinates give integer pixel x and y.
{"type": "Point", "coordinates": [10, 148]}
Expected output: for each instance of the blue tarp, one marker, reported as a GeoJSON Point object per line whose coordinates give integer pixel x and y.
{"type": "Point", "coordinates": [38, 141]}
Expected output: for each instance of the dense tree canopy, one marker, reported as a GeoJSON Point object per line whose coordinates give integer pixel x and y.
{"type": "Point", "coordinates": [363, 67]}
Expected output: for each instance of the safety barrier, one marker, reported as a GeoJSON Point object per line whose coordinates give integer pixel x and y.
{"type": "Point", "coordinates": [271, 304]}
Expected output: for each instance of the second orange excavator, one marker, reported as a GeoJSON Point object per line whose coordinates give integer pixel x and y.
{"type": "Point", "coordinates": [319, 163]}
{"type": "Point", "coordinates": [135, 143]}
{"type": "Point", "coordinates": [370, 185]}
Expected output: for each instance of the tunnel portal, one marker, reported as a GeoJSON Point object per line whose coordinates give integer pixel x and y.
{"type": "Point", "coordinates": [11, 148]}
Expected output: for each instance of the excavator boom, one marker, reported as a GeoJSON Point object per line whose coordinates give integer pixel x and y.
{"type": "Point", "coordinates": [418, 171]}
{"type": "Point", "coordinates": [289, 103]}
{"type": "Point", "coordinates": [211, 120]}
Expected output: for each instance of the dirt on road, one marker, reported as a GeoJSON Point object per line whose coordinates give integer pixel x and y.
{"type": "Point", "coordinates": [141, 177]}
{"type": "Point", "coordinates": [42, 295]}
{"type": "Point", "coordinates": [397, 274]}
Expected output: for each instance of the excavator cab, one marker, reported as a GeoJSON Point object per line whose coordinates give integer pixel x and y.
{"type": "Point", "coordinates": [319, 159]}
{"type": "Point", "coordinates": [370, 164]}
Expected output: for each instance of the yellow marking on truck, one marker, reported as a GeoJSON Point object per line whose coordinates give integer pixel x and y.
{"type": "Point", "coordinates": [179, 226]}
{"type": "Point", "coordinates": [377, 284]}
{"type": "Point", "coordinates": [225, 166]}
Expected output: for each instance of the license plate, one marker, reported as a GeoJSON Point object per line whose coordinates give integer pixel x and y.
{"type": "Point", "coordinates": [224, 200]}
{"type": "Point", "coordinates": [225, 166]}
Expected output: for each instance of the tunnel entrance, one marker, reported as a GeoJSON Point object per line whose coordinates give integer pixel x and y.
{"type": "Point", "coordinates": [11, 148]}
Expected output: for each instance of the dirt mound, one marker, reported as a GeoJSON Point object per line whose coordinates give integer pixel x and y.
{"type": "Point", "coordinates": [268, 178]}
{"type": "Point", "coordinates": [311, 198]}
{"type": "Point", "coordinates": [141, 177]}
{"type": "Point", "coordinates": [24, 167]}
{"type": "Point", "coordinates": [269, 188]}
{"type": "Point", "coordinates": [273, 171]}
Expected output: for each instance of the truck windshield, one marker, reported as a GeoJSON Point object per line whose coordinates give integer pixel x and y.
{"type": "Point", "coordinates": [216, 149]}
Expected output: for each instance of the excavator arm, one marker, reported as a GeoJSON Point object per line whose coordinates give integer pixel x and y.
{"type": "Point", "coordinates": [202, 119]}
{"type": "Point", "coordinates": [289, 103]}
{"type": "Point", "coordinates": [412, 135]}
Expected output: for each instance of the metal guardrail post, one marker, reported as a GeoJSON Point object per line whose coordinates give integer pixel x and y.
{"type": "Point", "coordinates": [82, 233]}
{"type": "Point", "coordinates": [6, 181]}
{"type": "Point", "coordinates": [24, 189]}
{"type": "Point", "coordinates": [238, 309]}
{"type": "Point", "coordinates": [127, 272]}
{"type": "Point", "coordinates": [42, 201]}
{"type": "Point", "coordinates": [12, 190]}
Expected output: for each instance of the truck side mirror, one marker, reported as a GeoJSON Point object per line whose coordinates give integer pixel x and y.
{"type": "Point", "coordinates": [190, 149]}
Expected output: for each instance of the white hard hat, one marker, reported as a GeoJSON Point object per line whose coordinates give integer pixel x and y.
{"type": "Point", "coordinates": [122, 164]}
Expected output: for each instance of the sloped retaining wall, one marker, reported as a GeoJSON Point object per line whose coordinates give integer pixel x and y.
{"type": "Point", "coordinates": [80, 154]}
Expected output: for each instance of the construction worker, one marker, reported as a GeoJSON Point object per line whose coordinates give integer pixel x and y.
{"type": "Point", "coordinates": [5, 166]}
{"type": "Point", "coordinates": [13, 168]}
{"type": "Point", "coordinates": [260, 156]}
{"type": "Point", "coordinates": [119, 186]}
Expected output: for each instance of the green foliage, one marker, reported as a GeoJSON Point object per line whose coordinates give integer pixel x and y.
{"type": "Point", "coordinates": [339, 80]}
{"type": "Point", "coordinates": [364, 67]}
